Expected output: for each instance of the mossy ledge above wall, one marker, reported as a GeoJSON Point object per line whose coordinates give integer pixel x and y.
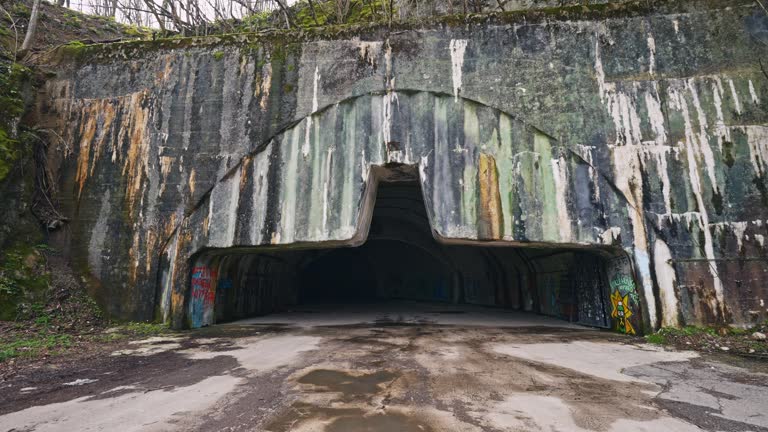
{"type": "Point", "coordinates": [79, 53]}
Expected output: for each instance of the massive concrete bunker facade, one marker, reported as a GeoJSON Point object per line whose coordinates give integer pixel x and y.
{"type": "Point", "coordinates": [628, 139]}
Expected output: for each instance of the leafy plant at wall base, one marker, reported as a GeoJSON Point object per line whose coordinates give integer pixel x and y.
{"type": "Point", "coordinates": [12, 77]}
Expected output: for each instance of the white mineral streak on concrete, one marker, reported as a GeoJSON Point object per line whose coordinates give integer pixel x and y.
{"type": "Point", "coordinates": [207, 227]}
{"type": "Point", "coordinates": [738, 229]}
{"type": "Point", "coordinates": [96, 250]}
{"type": "Point", "coordinates": [314, 90]}
{"type": "Point", "coordinates": [386, 124]}
{"type": "Point", "coordinates": [628, 174]}
{"type": "Point", "coordinates": [560, 174]}
{"type": "Point", "coordinates": [666, 280]}
{"type": "Point", "coordinates": [722, 131]}
{"type": "Point", "coordinates": [610, 235]}
{"type": "Point", "coordinates": [651, 54]}
{"type": "Point", "coordinates": [505, 169]}
{"type": "Point", "coordinates": [736, 103]}
{"type": "Point", "coordinates": [660, 151]}
{"type": "Point", "coordinates": [166, 285]}
{"type": "Point", "coordinates": [260, 188]}
{"type": "Point", "coordinates": [308, 124]}
{"type": "Point", "coordinates": [327, 187]}
{"type": "Point", "coordinates": [288, 191]}
{"type": "Point", "coordinates": [222, 211]}
{"type": "Point", "coordinates": [230, 139]}
{"type": "Point", "coordinates": [690, 217]}
{"type": "Point", "coordinates": [457, 48]}
{"type": "Point", "coordinates": [600, 359]}
{"type": "Point", "coordinates": [655, 115]}
{"type": "Point", "coordinates": [760, 239]}
{"type": "Point", "coordinates": [757, 138]}
{"type": "Point", "coordinates": [390, 79]}
{"type": "Point", "coordinates": [677, 101]}
{"type": "Point", "coordinates": [586, 153]}
{"type": "Point", "coordinates": [189, 92]}
{"type": "Point", "coordinates": [620, 106]}
{"type": "Point", "coordinates": [234, 202]}
{"type": "Point", "coordinates": [753, 93]}
{"type": "Point", "coordinates": [423, 165]}
{"type": "Point", "coordinates": [363, 166]}
{"type": "Point", "coordinates": [369, 51]}
{"type": "Point", "coordinates": [307, 136]}
{"type": "Point", "coordinates": [701, 142]}
{"type": "Point", "coordinates": [348, 204]}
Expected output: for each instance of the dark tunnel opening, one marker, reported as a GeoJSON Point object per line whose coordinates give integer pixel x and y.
{"type": "Point", "coordinates": [401, 261]}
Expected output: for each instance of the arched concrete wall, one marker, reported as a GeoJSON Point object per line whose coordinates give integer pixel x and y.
{"type": "Point", "coordinates": [315, 183]}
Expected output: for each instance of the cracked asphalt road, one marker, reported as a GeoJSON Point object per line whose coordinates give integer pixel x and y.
{"type": "Point", "coordinates": [401, 367]}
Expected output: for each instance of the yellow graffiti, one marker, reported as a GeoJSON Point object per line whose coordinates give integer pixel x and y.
{"type": "Point", "coordinates": [621, 312]}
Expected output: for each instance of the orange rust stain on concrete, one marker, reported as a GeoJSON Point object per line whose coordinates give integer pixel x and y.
{"type": "Point", "coordinates": [137, 155]}
{"type": "Point", "coordinates": [106, 111]}
{"type": "Point", "coordinates": [490, 220]}
{"type": "Point", "coordinates": [94, 136]}
{"type": "Point", "coordinates": [87, 132]}
{"type": "Point", "coordinates": [162, 75]}
{"type": "Point", "coordinates": [244, 166]}
{"type": "Point", "coordinates": [191, 183]}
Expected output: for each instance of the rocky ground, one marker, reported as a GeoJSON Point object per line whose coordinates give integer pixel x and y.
{"type": "Point", "coordinates": [751, 343]}
{"type": "Point", "coordinates": [407, 368]}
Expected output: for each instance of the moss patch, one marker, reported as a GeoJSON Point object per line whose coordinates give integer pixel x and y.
{"type": "Point", "coordinates": [369, 20]}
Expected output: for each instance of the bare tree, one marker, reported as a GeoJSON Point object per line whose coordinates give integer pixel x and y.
{"type": "Point", "coordinates": [32, 26]}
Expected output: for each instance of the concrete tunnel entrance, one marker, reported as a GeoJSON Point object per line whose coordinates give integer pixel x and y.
{"type": "Point", "coordinates": [401, 261]}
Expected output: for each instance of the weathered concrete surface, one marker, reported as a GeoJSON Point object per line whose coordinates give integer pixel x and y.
{"type": "Point", "coordinates": [412, 367]}
{"type": "Point", "coordinates": [641, 127]}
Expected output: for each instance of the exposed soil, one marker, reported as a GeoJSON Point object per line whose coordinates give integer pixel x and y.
{"type": "Point", "coordinates": [65, 329]}
{"type": "Point", "coordinates": [58, 25]}
{"type": "Point", "coordinates": [710, 340]}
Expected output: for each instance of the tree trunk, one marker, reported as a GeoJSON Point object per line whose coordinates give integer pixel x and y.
{"type": "Point", "coordinates": [32, 26]}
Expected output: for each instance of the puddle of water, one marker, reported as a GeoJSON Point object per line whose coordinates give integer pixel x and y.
{"type": "Point", "coordinates": [348, 385]}
{"type": "Point", "coordinates": [305, 416]}
{"type": "Point", "coordinates": [387, 422]}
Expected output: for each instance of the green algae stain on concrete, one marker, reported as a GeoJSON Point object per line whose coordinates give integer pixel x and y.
{"type": "Point", "coordinates": [545, 185]}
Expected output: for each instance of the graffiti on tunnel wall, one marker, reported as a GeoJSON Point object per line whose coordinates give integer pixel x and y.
{"type": "Point", "coordinates": [624, 297]}
{"type": "Point", "coordinates": [621, 312]}
{"type": "Point", "coordinates": [203, 295]}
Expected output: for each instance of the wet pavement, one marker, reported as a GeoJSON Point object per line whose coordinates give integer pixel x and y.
{"type": "Point", "coordinates": [399, 367]}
